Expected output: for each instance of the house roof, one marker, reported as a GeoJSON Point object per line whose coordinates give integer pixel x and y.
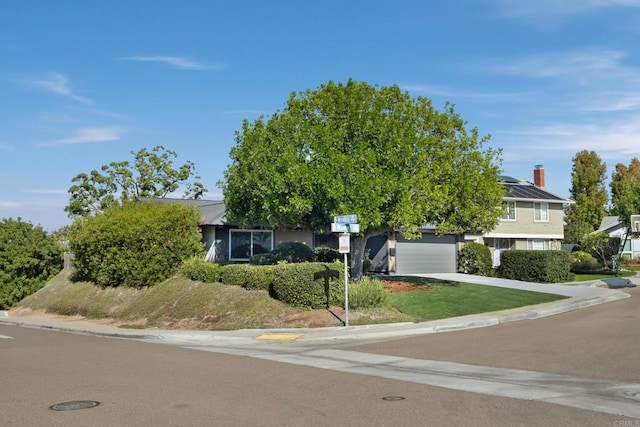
{"type": "Point", "coordinates": [213, 211]}
{"type": "Point", "coordinates": [609, 223]}
{"type": "Point", "coordinates": [516, 189]}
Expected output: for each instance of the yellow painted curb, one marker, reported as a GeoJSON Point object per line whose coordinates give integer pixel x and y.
{"type": "Point", "coordinates": [284, 337]}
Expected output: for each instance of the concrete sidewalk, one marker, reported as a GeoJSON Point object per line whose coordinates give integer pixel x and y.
{"type": "Point", "coordinates": [579, 296]}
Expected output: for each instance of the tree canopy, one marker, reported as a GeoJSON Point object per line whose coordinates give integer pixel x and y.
{"type": "Point", "coordinates": [625, 190]}
{"type": "Point", "coordinates": [28, 258]}
{"type": "Point", "coordinates": [353, 148]}
{"type": "Point", "coordinates": [589, 193]}
{"type": "Point", "coordinates": [151, 175]}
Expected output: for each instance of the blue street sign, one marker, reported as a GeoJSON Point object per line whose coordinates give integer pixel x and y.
{"type": "Point", "coordinates": [345, 219]}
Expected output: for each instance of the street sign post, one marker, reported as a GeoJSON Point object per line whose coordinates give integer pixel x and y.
{"type": "Point", "coordinates": [345, 224]}
{"type": "Point", "coordinates": [343, 227]}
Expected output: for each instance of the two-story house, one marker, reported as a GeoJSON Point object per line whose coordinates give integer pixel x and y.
{"type": "Point", "coordinates": [532, 218]}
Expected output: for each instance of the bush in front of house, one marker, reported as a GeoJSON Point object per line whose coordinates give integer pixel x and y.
{"type": "Point", "coordinates": [536, 266]}
{"type": "Point", "coordinates": [475, 258]}
{"type": "Point", "coordinates": [327, 255]}
{"type": "Point", "coordinates": [135, 244]}
{"type": "Point", "coordinates": [197, 268]}
{"type": "Point", "coordinates": [234, 274]}
{"type": "Point", "coordinates": [368, 293]}
{"type": "Point", "coordinates": [582, 261]}
{"type": "Point", "coordinates": [248, 276]}
{"type": "Point", "coordinates": [263, 259]}
{"type": "Point", "coordinates": [293, 252]}
{"type": "Point", "coordinates": [310, 285]}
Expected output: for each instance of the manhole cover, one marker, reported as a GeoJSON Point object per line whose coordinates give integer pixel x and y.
{"type": "Point", "coordinates": [73, 405]}
{"type": "Point", "coordinates": [393, 398]}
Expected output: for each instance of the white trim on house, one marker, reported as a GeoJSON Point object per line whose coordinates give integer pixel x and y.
{"type": "Point", "coordinates": [523, 236]}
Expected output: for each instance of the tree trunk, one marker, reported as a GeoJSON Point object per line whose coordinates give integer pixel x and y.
{"type": "Point", "coordinates": [358, 243]}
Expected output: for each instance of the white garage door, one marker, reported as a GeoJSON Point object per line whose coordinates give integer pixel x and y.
{"type": "Point", "coordinates": [430, 254]}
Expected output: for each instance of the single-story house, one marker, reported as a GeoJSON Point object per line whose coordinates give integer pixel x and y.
{"type": "Point", "coordinates": [615, 228]}
{"type": "Point", "coordinates": [532, 219]}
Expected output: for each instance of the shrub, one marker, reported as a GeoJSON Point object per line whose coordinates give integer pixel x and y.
{"type": "Point", "coordinates": [368, 293]}
{"type": "Point", "coordinates": [535, 266]}
{"type": "Point", "coordinates": [28, 258]}
{"type": "Point", "coordinates": [234, 274]}
{"type": "Point", "coordinates": [197, 268]}
{"type": "Point", "coordinates": [327, 255]}
{"type": "Point", "coordinates": [293, 252]}
{"type": "Point", "coordinates": [135, 244]}
{"type": "Point", "coordinates": [475, 258]}
{"type": "Point", "coordinates": [263, 259]}
{"type": "Point", "coordinates": [584, 261]}
{"type": "Point", "coordinates": [248, 276]}
{"type": "Point", "coordinates": [259, 277]}
{"type": "Point", "coordinates": [311, 285]}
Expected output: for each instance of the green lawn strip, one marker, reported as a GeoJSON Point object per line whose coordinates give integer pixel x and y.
{"type": "Point", "coordinates": [603, 275]}
{"type": "Point", "coordinates": [451, 299]}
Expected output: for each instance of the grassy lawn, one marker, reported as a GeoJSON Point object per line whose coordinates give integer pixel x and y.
{"type": "Point", "coordinates": [625, 272]}
{"type": "Point", "coordinates": [450, 299]}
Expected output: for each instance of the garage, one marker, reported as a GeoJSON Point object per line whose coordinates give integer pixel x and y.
{"type": "Point", "coordinates": [429, 254]}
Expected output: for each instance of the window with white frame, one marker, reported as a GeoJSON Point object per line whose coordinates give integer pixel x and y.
{"type": "Point", "coordinates": [541, 212]}
{"type": "Point", "coordinates": [538, 244]}
{"type": "Point", "coordinates": [509, 211]}
{"type": "Point", "coordinates": [246, 243]}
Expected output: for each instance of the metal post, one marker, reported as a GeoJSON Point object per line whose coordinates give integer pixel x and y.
{"type": "Point", "coordinates": [346, 292]}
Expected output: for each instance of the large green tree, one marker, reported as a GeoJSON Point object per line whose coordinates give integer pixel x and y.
{"type": "Point", "coordinates": [589, 194]}
{"type": "Point", "coordinates": [28, 258]}
{"type": "Point", "coordinates": [625, 190]}
{"type": "Point", "coordinates": [151, 175]}
{"type": "Point", "coordinates": [395, 161]}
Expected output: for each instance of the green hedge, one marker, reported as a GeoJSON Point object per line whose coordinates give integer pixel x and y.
{"type": "Point", "coordinates": [475, 258]}
{"type": "Point", "coordinates": [293, 252]}
{"type": "Point", "coordinates": [197, 268]}
{"type": "Point", "coordinates": [248, 276]}
{"type": "Point", "coordinates": [135, 244]}
{"type": "Point", "coordinates": [535, 266]}
{"type": "Point", "coordinates": [311, 285]}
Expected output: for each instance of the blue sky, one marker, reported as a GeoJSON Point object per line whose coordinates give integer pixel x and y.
{"type": "Point", "coordinates": [86, 82]}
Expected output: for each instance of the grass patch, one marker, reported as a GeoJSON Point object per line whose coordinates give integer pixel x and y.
{"type": "Point", "coordinates": [585, 277]}
{"type": "Point", "coordinates": [451, 299]}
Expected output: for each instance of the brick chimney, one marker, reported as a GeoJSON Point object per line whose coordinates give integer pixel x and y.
{"type": "Point", "coordinates": [538, 176]}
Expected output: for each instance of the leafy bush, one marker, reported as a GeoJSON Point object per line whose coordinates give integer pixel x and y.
{"type": "Point", "coordinates": [248, 276]}
{"type": "Point", "coordinates": [311, 285]}
{"type": "Point", "coordinates": [28, 258]}
{"type": "Point", "coordinates": [535, 266]}
{"type": "Point", "coordinates": [197, 268]}
{"type": "Point", "coordinates": [234, 274]}
{"type": "Point", "coordinates": [584, 261]}
{"type": "Point", "coordinates": [327, 255]}
{"type": "Point", "coordinates": [259, 277]}
{"type": "Point", "coordinates": [135, 244]}
{"type": "Point", "coordinates": [475, 258]}
{"type": "Point", "coordinates": [293, 252]}
{"type": "Point", "coordinates": [263, 259]}
{"type": "Point", "coordinates": [368, 293]}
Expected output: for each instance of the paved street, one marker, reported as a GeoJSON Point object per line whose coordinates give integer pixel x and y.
{"type": "Point", "coordinates": [576, 368]}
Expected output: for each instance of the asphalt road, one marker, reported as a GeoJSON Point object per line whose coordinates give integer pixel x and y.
{"type": "Point", "coordinates": [139, 383]}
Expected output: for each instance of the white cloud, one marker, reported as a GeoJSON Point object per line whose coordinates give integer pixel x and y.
{"type": "Point", "coordinates": [561, 8]}
{"type": "Point", "coordinates": [57, 84]}
{"type": "Point", "coordinates": [176, 62]}
{"type": "Point", "coordinates": [433, 90]}
{"type": "Point", "coordinates": [5, 204]}
{"type": "Point", "coordinates": [45, 191]}
{"type": "Point", "coordinates": [581, 65]}
{"type": "Point", "coordinates": [88, 135]}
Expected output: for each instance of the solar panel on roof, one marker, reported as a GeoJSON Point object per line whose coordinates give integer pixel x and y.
{"type": "Point", "coordinates": [520, 191]}
{"type": "Point", "coordinates": [509, 179]}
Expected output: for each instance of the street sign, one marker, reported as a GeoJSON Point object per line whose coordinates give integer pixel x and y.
{"type": "Point", "coordinates": [344, 243]}
{"type": "Point", "coordinates": [345, 219]}
{"type": "Point", "coordinates": [344, 228]}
